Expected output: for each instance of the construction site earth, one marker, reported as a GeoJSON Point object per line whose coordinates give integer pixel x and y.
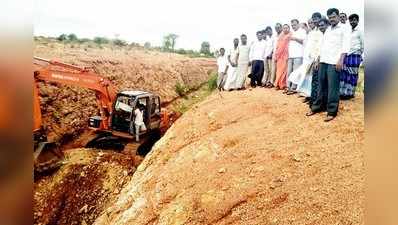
{"type": "Point", "coordinates": [243, 157]}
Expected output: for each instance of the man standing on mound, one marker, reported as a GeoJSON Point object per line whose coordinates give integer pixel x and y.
{"type": "Point", "coordinates": [335, 46]}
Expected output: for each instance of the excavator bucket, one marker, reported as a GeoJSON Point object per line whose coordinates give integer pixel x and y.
{"type": "Point", "coordinates": [47, 157]}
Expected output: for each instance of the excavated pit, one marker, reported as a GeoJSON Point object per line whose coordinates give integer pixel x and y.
{"type": "Point", "coordinates": [79, 191]}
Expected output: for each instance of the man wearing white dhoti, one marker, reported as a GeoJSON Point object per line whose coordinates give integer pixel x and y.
{"type": "Point", "coordinates": [230, 83]}
{"type": "Point", "coordinates": [243, 62]}
{"type": "Point", "coordinates": [302, 76]}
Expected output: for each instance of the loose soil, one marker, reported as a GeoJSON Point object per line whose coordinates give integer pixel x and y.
{"type": "Point", "coordinates": [78, 192]}
{"type": "Point", "coordinates": [250, 157]}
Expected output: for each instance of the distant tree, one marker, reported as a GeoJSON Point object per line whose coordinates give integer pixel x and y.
{"type": "Point", "coordinates": [101, 40]}
{"type": "Point", "coordinates": [173, 38]}
{"type": "Point", "coordinates": [166, 43]}
{"type": "Point", "coordinates": [119, 42]}
{"type": "Point", "coordinates": [72, 37]}
{"type": "Point", "coordinates": [134, 44]}
{"type": "Point", "coordinates": [169, 41]}
{"type": "Point", "coordinates": [181, 51]}
{"type": "Point", "coordinates": [205, 48]}
{"type": "Point", "coordinates": [62, 37]}
{"type": "Point", "coordinates": [147, 45]}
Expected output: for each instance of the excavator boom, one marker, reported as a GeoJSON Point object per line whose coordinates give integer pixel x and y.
{"type": "Point", "coordinates": [46, 155]}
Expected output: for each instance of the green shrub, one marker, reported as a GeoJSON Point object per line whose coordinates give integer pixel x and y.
{"type": "Point", "coordinates": [62, 37]}
{"type": "Point", "coordinates": [181, 89]}
{"type": "Point", "coordinates": [72, 37]}
{"type": "Point", "coordinates": [101, 40]}
{"type": "Point", "coordinates": [212, 82]}
{"type": "Point", "coordinates": [120, 42]}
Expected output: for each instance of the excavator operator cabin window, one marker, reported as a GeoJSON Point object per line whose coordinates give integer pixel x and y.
{"type": "Point", "coordinates": [142, 101]}
{"type": "Point", "coordinates": [122, 104]}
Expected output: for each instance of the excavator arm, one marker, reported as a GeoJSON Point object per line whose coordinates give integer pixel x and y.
{"type": "Point", "coordinates": [62, 73]}
{"type": "Point", "coordinates": [46, 155]}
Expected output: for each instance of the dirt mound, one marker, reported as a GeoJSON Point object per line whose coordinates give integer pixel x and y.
{"type": "Point", "coordinates": [250, 157]}
{"type": "Point", "coordinates": [66, 109]}
{"type": "Point", "coordinates": [80, 190]}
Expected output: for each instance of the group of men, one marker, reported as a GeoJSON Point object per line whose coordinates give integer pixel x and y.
{"type": "Point", "coordinates": [318, 61]}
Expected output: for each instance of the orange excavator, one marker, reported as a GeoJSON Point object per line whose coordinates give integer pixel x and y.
{"type": "Point", "coordinates": [113, 127]}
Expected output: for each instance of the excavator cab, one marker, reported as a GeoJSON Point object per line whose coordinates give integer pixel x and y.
{"type": "Point", "coordinates": [122, 125]}
{"type": "Point", "coordinates": [122, 119]}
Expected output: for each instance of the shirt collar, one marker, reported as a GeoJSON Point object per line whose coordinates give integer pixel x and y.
{"type": "Point", "coordinates": [355, 29]}
{"type": "Point", "coordinates": [337, 26]}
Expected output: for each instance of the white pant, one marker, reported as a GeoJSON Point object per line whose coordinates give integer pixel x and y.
{"type": "Point", "coordinates": [138, 128]}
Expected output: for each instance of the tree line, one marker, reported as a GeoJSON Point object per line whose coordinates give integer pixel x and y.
{"type": "Point", "coordinates": [168, 44]}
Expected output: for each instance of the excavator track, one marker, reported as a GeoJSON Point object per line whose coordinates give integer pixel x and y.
{"type": "Point", "coordinates": [47, 157]}
{"type": "Point", "coordinates": [131, 148]}
{"type": "Point", "coordinates": [107, 142]}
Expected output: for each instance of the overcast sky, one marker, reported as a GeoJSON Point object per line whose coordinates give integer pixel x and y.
{"type": "Point", "coordinates": [216, 21]}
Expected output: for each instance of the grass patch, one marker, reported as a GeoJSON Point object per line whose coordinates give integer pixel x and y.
{"type": "Point", "coordinates": [182, 105]}
{"type": "Point", "coordinates": [181, 89]}
{"type": "Point", "coordinates": [212, 82]}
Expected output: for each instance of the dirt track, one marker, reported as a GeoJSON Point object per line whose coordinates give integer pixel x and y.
{"type": "Point", "coordinates": [251, 157]}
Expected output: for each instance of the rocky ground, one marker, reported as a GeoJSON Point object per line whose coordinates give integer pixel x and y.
{"type": "Point", "coordinates": [250, 157]}
{"type": "Point", "coordinates": [66, 109]}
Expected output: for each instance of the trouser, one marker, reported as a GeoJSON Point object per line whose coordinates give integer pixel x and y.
{"type": "Point", "coordinates": [267, 71]}
{"type": "Point", "coordinates": [273, 71]}
{"type": "Point", "coordinates": [139, 127]}
{"type": "Point", "coordinates": [328, 94]}
{"type": "Point", "coordinates": [257, 72]}
{"type": "Point", "coordinates": [314, 86]}
{"type": "Point", "coordinates": [221, 79]}
{"type": "Point", "coordinates": [292, 64]}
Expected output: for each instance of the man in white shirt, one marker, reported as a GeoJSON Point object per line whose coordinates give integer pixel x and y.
{"type": "Point", "coordinates": [222, 63]}
{"type": "Point", "coordinates": [303, 75]}
{"type": "Point", "coordinates": [321, 24]}
{"type": "Point", "coordinates": [343, 22]}
{"type": "Point", "coordinates": [139, 121]}
{"type": "Point", "coordinates": [256, 57]}
{"type": "Point", "coordinates": [268, 80]}
{"type": "Point", "coordinates": [296, 48]}
{"type": "Point", "coordinates": [335, 46]}
{"type": "Point", "coordinates": [349, 75]}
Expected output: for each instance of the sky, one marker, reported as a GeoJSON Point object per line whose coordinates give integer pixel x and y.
{"type": "Point", "coordinates": [215, 21]}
